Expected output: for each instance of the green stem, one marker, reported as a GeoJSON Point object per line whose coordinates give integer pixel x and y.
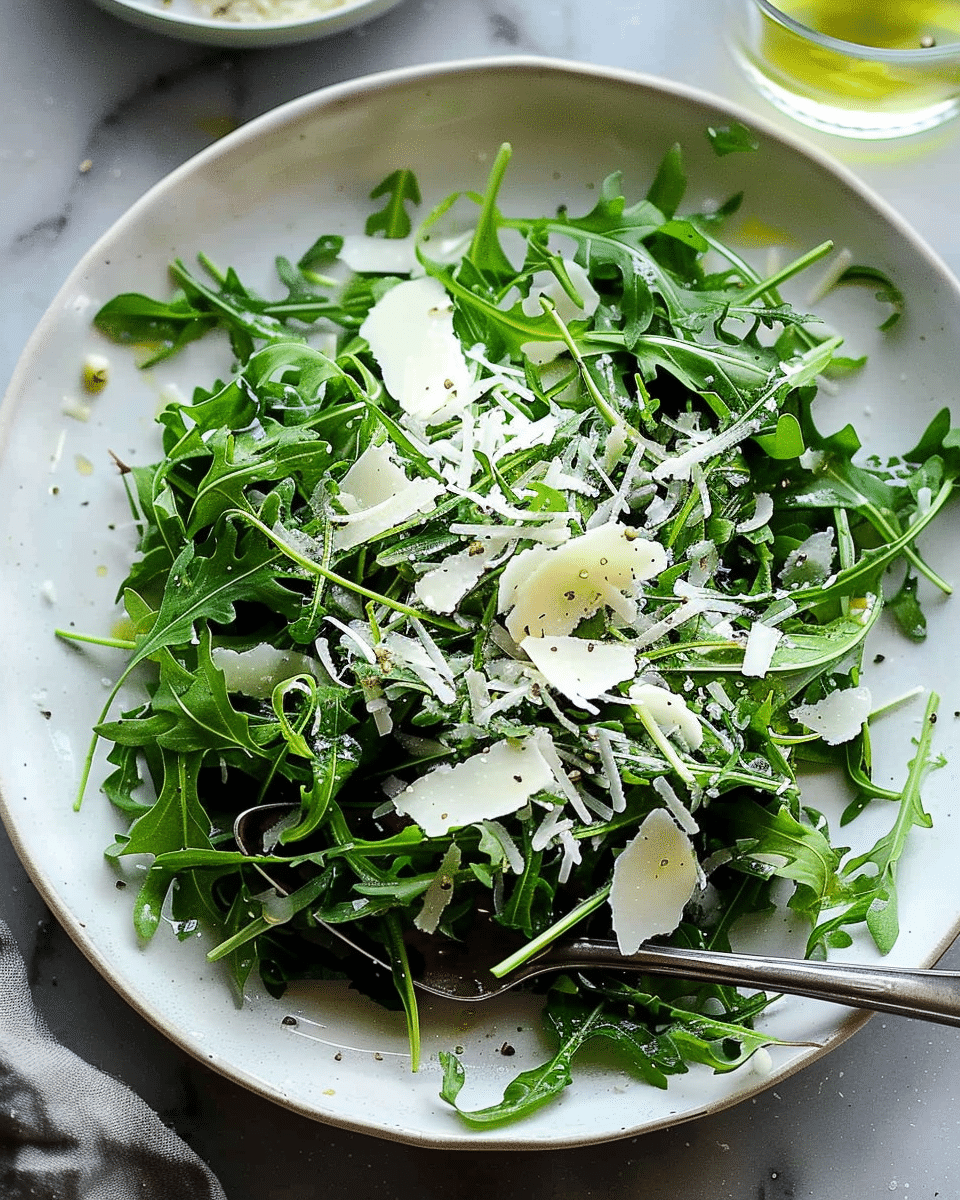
{"type": "Point", "coordinates": [548, 936]}
{"type": "Point", "coordinates": [664, 746]}
{"type": "Point", "coordinates": [315, 568]}
{"type": "Point", "coordinates": [772, 282]}
{"type": "Point", "coordinates": [88, 638]}
{"type": "Point", "coordinates": [604, 408]}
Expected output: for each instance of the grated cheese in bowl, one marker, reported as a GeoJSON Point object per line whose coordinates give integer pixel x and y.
{"type": "Point", "coordinates": [252, 11]}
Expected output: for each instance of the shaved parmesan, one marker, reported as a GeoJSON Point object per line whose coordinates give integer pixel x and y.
{"type": "Point", "coordinates": [410, 332]}
{"type": "Point", "coordinates": [653, 880]}
{"type": "Point", "coordinates": [838, 717]}
{"type": "Point", "coordinates": [762, 512]}
{"type": "Point", "coordinates": [761, 643]}
{"type": "Point", "coordinates": [412, 653]}
{"type": "Point", "coordinates": [561, 585]}
{"type": "Point", "coordinates": [442, 588]}
{"type": "Point", "coordinates": [378, 496]}
{"type": "Point", "coordinates": [670, 712]}
{"type": "Point", "coordinates": [493, 783]}
{"type": "Point", "coordinates": [582, 669]}
{"type": "Point", "coordinates": [257, 672]}
{"type": "Point", "coordinates": [440, 892]}
{"type": "Point", "coordinates": [379, 255]}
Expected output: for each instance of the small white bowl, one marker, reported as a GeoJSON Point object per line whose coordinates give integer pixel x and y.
{"type": "Point", "coordinates": [184, 19]}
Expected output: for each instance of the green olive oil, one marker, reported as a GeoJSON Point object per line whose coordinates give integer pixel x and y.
{"type": "Point", "coordinates": [861, 79]}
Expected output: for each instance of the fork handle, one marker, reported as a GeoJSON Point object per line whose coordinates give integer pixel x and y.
{"type": "Point", "coordinates": [906, 991]}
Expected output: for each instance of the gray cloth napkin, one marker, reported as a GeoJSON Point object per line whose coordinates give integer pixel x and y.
{"type": "Point", "coordinates": [70, 1132]}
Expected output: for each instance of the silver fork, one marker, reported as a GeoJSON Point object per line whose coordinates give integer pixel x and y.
{"type": "Point", "coordinates": [461, 970]}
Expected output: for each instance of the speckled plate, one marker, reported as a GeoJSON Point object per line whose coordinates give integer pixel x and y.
{"type": "Point", "coordinates": [272, 188]}
{"type": "Point", "coordinates": [187, 21]}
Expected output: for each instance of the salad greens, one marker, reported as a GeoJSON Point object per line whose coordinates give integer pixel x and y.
{"type": "Point", "coordinates": [333, 570]}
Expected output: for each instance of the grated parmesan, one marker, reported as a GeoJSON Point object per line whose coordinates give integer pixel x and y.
{"type": "Point", "coordinates": [241, 12]}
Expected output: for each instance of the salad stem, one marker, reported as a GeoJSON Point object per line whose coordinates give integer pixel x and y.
{"type": "Point", "coordinates": [548, 936]}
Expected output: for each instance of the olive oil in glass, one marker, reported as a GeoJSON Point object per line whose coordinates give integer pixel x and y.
{"type": "Point", "coordinates": [864, 68]}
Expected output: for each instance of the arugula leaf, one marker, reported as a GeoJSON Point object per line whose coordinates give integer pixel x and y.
{"type": "Point", "coordinates": [393, 221]}
{"type": "Point", "coordinates": [732, 138]}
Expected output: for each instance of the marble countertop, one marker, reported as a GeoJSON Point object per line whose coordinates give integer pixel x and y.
{"type": "Point", "coordinates": [94, 112]}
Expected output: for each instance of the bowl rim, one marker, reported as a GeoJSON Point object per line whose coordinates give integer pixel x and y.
{"type": "Point", "coordinates": [152, 15]}
{"type": "Point", "coordinates": [909, 56]}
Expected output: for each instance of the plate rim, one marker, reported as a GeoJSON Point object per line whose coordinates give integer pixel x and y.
{"type": "Point", "coordinates": [273, 119]}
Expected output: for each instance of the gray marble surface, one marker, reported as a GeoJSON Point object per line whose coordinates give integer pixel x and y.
{"type": "Point", "coordinates": [93, 113]}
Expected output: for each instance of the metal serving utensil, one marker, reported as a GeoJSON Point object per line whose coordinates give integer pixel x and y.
{"type": "Point", "coordinates": [461, 970]}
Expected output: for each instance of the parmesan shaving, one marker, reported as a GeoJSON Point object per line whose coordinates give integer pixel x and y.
{"type": "Point", "coordinates": [378, 496]}
{"type": "Point", "coordinates": [442, 588]}
{"type": "Point", "coordinates": [558, 587]}
{"type": "Point", "coordinates": [581, 669]}
{"type": "Point", "coordinates": [411, 336]}
{"type": "Point", "coordinates": [670, 712]}
{"type": "Point", "coordinates": [758, 655]}
{"type": "Point", "coordinates": [839, 716]}
{"type": "Point", "coordinates": [653, 880]}
{"type": "Point", "coordinates": [256, 672]}
{"type": "Point", "coordinates": [379, 255]}
{"type": "Point", "coordinates": [493, 783]}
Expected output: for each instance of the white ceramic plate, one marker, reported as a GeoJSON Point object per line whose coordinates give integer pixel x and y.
{"type": "Point", "coordinates": [273, 187]}
{"type": "Point", "coordinates": [185, 20]}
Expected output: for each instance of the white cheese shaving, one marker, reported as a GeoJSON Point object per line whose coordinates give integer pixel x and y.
{"type": "Point", "coordinates": [442, 588]}
{"type": "Point", "coordinates": [670, 712]}
{"type": "Point", "coordinates": [758, 654]}
{"type": "Point", "coordinates": [356, 638]}
{"type": "Point", "coordinates": [611, 771]}
{"type": "Point", "coordinates": [762, 512]}
{"type": "Point", "coordinates": [256, 672]}
{"type": "Point", "coordinates": [581, 669]}
{"type": "Point", "coordinates": [560, 586]}
{"type": "Point", "coordinates": [653, 880]}
{"type": "Point", "coordinates": [547, 286]}
{"type": "Point", "coordinates": [411, 335]}
{"type": "Point", "coordinates": [508, 847]}
{"type": "Point", "coordinates": [681, 814]}
{"type": "Point", "coordinates": [377, 496]}
{"type": "Point", "coordinates": [379, 255]}
{"type": "Point", "coordinates": [440, 892]}
{"type": "Point", "coordinates": [413, 654]}
{"type": "Point", "coordinates": [552, 757]}
{"type": "Point", "coordinates": [679, 466]}
{"type": "Point", "coordinates": [491, 784]}
{"type": "Point", "coordinates": [704, 559]}
{"type": "Point", "coordinates": [838, 717]}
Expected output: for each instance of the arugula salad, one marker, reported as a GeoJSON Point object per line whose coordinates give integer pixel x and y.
{"type": "Point", "coordinates": [512, 557]}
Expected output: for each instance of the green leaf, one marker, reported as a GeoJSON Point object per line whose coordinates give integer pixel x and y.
{"type": "Point", "coordinates": [164, 327]}
{"type": "Point", "coordinates": [331, 768]}
{"type": "Point", "coordinates": [198, 705]}
{"type": "Point", "coordinates": [786, 442]}
{"type": "Point", "coordinates": [731, 139]}
{"type": "Point", "coordinates": [887, 291]}
{"type": "Point", "coordinates": [207, 588]}
{"type": "Point", "coordinates": [528, 1092]}
{"type": "Point", "coordinates": [393, 221]}
{"type": "Point", "coordinates": [777, 843]}
{"type": "Point", "coordinates": [905, 606]}
{"type": "Point", "coordinates": [669, 183]}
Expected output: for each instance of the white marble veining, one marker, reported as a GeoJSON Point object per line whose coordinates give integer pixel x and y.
{"type": "Point", "coordinates": [94, 112]}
